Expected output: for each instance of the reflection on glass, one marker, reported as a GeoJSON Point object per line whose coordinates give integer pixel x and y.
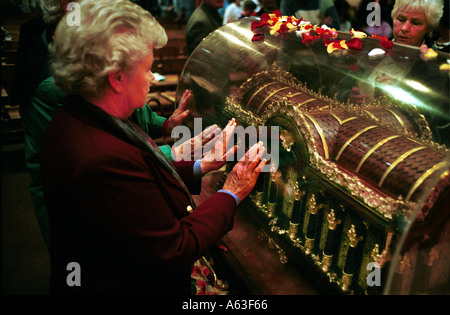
{"type": "Point", "coordinates": [363, 171]}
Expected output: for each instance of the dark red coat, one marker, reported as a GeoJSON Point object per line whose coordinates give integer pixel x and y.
{"type": "Point", "coordinates": [118, 213]}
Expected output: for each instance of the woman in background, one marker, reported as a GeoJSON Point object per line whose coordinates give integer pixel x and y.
{"type": "Point", "coordinates": [415, 19]}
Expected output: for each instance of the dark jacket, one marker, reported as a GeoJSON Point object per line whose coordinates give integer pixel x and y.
{"type": "Point", "coordinates": [119, 213]}
{"type": "Point", "coordinates": [32, 65]}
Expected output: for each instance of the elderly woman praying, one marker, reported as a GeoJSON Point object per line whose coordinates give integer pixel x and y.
{"type": "Point", "coordinates": [117, 206]}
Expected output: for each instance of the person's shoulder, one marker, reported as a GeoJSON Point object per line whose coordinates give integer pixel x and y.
{"type": "Point", "coordinates": [50, 93]}
{"type": "Point", "coordinates": [327, 3]}
{"type": "Point", "coordinates": [97, 141]}
{"type": "Point", "coordinates": [198, 13]}
{"type": "Point", "coordinates": [198, 18]}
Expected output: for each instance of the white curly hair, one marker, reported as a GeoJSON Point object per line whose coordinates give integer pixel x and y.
{"type": "Point", "coordinates": [433, 10]}
{"type": "Point", "coordinates": [113, 37]}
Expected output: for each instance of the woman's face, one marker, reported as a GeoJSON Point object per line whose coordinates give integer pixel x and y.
{"type": "Point", "coordinates": [410, 27]}
{"type": "Point", "coordinates": [137, 84]}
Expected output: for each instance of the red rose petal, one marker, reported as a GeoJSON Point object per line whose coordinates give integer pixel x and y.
{"type": "Point", "coordinates": [257, 37]}
{"type": "Point", "coordinates": [309, 38]}
{"type": "Point", "coordinates": [327, 35]}
{"type": "Point", "coordinates": [387, 44]}
{"type": "Point", "coordinates": [265, 17]}
{"type": "Point", "coordinates": [206, 272]}
{"type": "Point", "coordinates": [277, 13]}
{"type": "Point", "coordinates": [283, 28]}
{"type": "Point", "coordinates": [255, 25]}
{"type": "Point", "coordinates": [354, 43]}
{"type": "Point", "coordinates": [337, 45]}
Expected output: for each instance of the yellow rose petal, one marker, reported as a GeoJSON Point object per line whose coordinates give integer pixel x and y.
{"type": "Point", "coordinates": [330, 48]}
{"type": "Point", "coordinates": [445, 67]}
{"type": "Point", "coordinates": [358, 34]}
{"type": "Point", "coordinates": [430, 54]}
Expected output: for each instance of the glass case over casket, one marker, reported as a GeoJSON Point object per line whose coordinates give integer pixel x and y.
{"type": "Point", "coordinates": [357, 190]}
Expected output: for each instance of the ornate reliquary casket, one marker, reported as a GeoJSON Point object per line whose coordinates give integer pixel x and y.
{"type": "Point", "coordinates": [358, 193]}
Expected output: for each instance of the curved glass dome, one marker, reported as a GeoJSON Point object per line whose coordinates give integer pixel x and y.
{"type": "Point", "coordinates": [377, 164]}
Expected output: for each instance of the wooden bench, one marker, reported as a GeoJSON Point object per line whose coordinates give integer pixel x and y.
{"type": "Point", "coordinates": [6, 78]}
{"type": "Point", "coordinates": [170, 83]}
{"type": "Point", "coordinates": [174, 48]}
{"type": "Point", "coordinates": [170, 65]}
{"type": "Point", "coordinates": [170, 24]}
{"type": "Point", "coordinates": [10, 45]}
{"type": "Point", "coordinates": [9, 56]}
{"type": "Point", "coordinates": [169, 61]}
{"type": "Point", "coordinates": [12, 131]}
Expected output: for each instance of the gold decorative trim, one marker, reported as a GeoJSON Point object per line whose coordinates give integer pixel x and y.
{"type": "Point", "coordinates": [337, 118]}
{"type": "Point", "coordinates": [353, 238]}
{"type": "Point", "coordinates": [312, 205]}
{"type": "Point", "coordinates": [276, 73]}
{"type": "Point", "coordinates": [295, 94]}
{"type": "Point", "coordinates": [245, 116]}
{"type": "Point", "coordinates": [375, 147]}
{"type": "Point", "coordinates": [402, 123]}
{"type": "Point", "coordinates": [271, 95]}
{"type": "Point", "coordinates": [309, 245]}
{"type": "Point", "coordinates": [340, 121]}
{"type": "Point", "coordinates": [322, 136]}
{"type": "Point", "coordinates": [305, 102]}
{"type": "Point", "coordinates": [399, 160]}
{"type": "Point", "coordinates": [371, 115]}
{"type": "Point", "coordinates": [423, 178]}
{"type": "Point", "coordinates": [271, 208]}
{"type": "Point", "coordinates": [293, 230]}
{"type": "Point", "coordinates": [260, 89]}
{"type": "Point", "coordinates": [259, 198]}
{"type": "Point", "coordinates": [326, 262]}
{"type": "Point", "coordinates": [332, 221]}
{"type": "Point", "coordinates": [348, 119]}
{"type": "Point", "coordinates": [384, 206]}
{"type": "Point", "coordinates": [346, 281]}
{"type": "Point", "coordinates": [375, 254]}
{"type": "Point", "coordinates": [356, 135]}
